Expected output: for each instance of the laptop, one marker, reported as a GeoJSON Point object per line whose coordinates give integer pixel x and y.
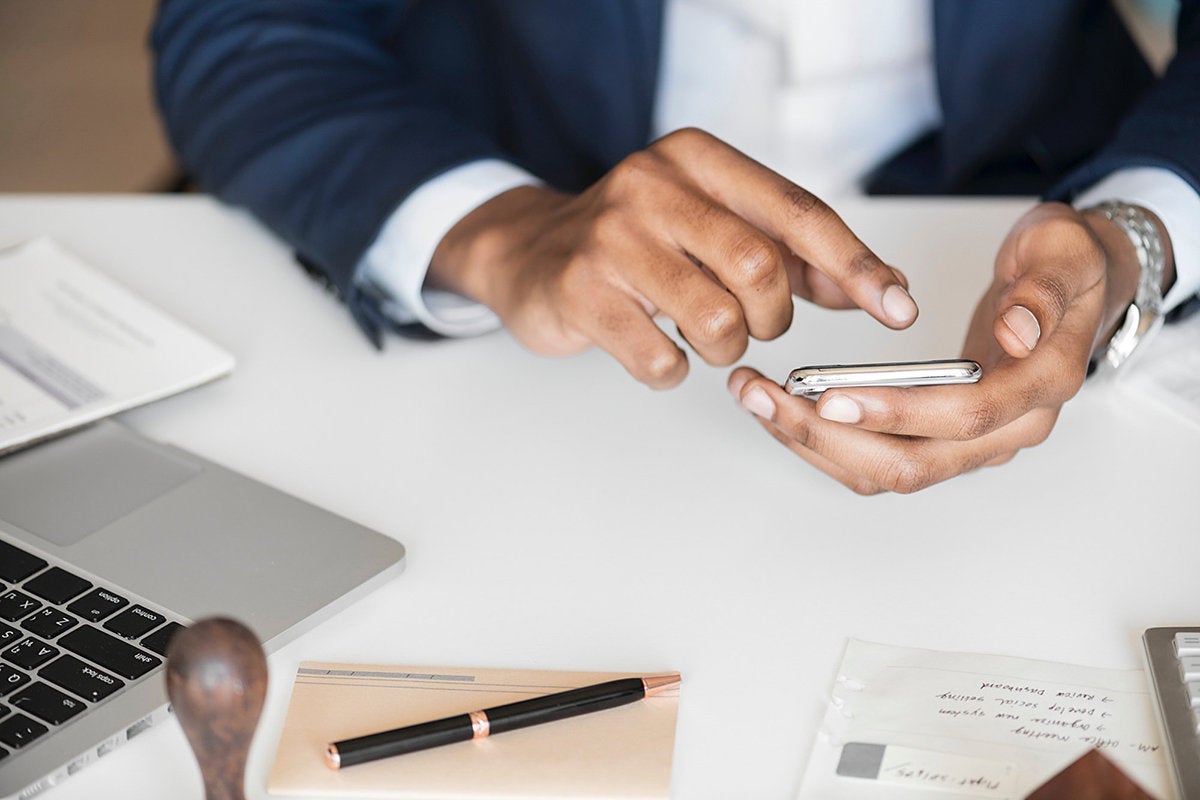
{"type": "Point", "coordinates": [109, 544]}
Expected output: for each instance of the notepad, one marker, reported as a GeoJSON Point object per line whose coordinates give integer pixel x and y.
{"type": "Point", "coordinates": [75, 346]}
{"type": "Point", "coordinates": [621, 752]}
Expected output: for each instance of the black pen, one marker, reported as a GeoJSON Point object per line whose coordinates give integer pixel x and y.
{"type": "Point", "coordinates": [508, 717]}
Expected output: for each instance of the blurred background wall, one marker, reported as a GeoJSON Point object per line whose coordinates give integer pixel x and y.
{"type": "Point", "coordinates": [76, 109]}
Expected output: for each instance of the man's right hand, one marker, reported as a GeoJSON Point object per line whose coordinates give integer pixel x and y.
{"type": "Point", "coordinates": [688, 227]}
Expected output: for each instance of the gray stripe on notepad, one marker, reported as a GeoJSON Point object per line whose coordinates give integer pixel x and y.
{"type": "Point", "coordinates": [407, 676]}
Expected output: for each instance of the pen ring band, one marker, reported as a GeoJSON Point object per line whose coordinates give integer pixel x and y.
{"type": "Point", "coordinates": [480, 727]}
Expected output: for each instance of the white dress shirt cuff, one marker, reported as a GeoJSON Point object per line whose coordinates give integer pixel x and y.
{"type": "Point", "coordinates": [396, 263]}
{"type": "Point", "coordinates": [1174, 202]}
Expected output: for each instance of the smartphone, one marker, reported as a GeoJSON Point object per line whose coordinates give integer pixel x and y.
{"type": "Point", "coordinates": [812, 381]}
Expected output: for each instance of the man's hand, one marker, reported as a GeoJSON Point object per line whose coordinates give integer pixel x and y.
{"type": "Point", "coordinates": [688, 227]}
{"type": "Point", "coordinates": [1061, 282]}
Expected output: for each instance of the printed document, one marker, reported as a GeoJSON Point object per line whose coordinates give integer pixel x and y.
{"type": "Point", "coordinates": [76, 347]}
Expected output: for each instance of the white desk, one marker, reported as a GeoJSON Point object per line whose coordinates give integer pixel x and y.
{"type": "Point", "coordinates": [559, 515]}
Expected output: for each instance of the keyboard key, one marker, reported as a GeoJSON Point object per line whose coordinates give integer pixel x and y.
{"type": "Point", "coordinates": [97, 605]}
{"type": "Point", "coordinates": [49, 622]}
{"type": "Point", "coordinates": [11, 679]}
{"type": "Point", "coordinates": [14, 605]}
{"type": "Point", "coordinates": [1193, 690]}
{"type": "Point", "coordinates": [82, 679]}
{"type": "Point", "coordinates": [1187, 643]}
{"type": "Point", "coordinates": [1189, 668]}
{"type": "Point", "coordinates": [57, 585]}
{"type": "Point", "coordinates": [46, 703]}
{"type": "Point", "coordinates": [19, 730]}
{"type": "Point", "coordinates": [30, 653]}
{"type": "Point", "coordinates": [160, 640]}
{"type": "Point", "coordinates": [4, 711]}
{"type": "Point", "coordinates": [16, 564]}
{"type": "Point", "coordinates": [135, 621]}
{"type": "Point", "coordinates": [9, 634]}
{"type": "Point", "coordinates": [109, 652]}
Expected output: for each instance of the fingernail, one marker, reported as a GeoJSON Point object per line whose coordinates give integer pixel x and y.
{"type": "Point", "coordinates": [898, 305]}
{"type": "Point", "coordinates": [1021, 321]}
{"type": "Point", "coordinates": [757, 402]}
{"type": "Point", "coordinates": [736, 382]}
{"type": "Point", "coordinates": [841, 409]}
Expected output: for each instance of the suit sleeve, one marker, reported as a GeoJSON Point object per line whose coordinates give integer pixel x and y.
{"type": "Point", "coordinates": [1163, 129]}
{"type": "Point", "coordinates": [303, 112]}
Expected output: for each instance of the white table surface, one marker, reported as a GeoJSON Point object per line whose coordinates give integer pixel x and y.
{"type": "Point", "coordinates": [559, 515]}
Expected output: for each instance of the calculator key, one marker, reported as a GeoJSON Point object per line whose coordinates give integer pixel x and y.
{"type": "Point", "coordinates": [47, 704]}
{"type": "Point", "coordinates": [11, 679]}
{"type": "Point", "coordinates": [82, 679]}
{"type": "Point", "coordinates": [16, 564]}
{"type": "Point", "coordinates": [160, 640]}
{"type": "Point", "coordinates": [9, 634]}
{"type": "Point", "coordinates": [134, 622]}
{"type": "Point", "coordinates": [1187, 643]}
{"type": "Point", "coordinates": [1189, 668]}
{"type": "Point", "coordinates": [109, 652]}
{"type": "Point", "coordinates": [97, 605]}
{"type": "Point", "coordinates": [19, 730]}
{"type": "Point", "coordinates": [57, 585]}
{"type": "Point", "coordinates": [14, 605]}
{"type": "Point", "coordinates": [49, 622]}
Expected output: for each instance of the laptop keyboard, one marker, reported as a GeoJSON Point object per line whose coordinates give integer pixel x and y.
{"type": "Point", "coordinates": [65, 644]}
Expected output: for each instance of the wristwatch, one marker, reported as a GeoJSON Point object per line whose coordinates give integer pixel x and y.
{"type": "Point", "coordinates": [1145, 314]}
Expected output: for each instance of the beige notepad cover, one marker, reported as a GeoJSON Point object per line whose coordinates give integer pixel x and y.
{"type": "Point", "coordinates": [622, 752]}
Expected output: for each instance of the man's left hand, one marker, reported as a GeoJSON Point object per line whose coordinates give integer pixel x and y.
{"type": "Point", "coordinates": [1061, 281]}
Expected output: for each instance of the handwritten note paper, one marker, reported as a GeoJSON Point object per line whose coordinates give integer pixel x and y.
{"type": "Point", "coordinates": [950, 725]}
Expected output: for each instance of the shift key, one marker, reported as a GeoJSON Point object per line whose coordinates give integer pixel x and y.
{"type": "Point", "coordinates": [109, 652]}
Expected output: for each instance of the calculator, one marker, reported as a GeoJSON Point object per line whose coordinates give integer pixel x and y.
{"type": "Point", "coordinates": [1173, 660]}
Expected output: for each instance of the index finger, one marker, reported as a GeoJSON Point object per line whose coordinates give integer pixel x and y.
{"type": "Point", "coordinates": [803, 222]}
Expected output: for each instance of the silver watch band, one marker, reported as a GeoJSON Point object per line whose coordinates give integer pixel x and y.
{"type": "Point", "coordinates": [1145, 314]}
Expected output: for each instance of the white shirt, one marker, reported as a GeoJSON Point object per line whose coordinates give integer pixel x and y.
{"type": "Point", "coordinates": [821, 91]}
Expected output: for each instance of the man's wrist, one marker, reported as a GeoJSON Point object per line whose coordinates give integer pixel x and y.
{"type": "Point", "coordinates": [471, 258]}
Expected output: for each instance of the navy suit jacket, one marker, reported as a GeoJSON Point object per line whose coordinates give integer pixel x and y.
{"type": "Point", "coordinates": [321, 116]}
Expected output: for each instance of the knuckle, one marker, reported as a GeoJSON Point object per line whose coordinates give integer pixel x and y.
{"type": "Point", "coordinates": [864, 489]}
{"type": "Point", "coordinates": [683, 140]}
{"type": "Point", "coordinates": [721, 322]}
{"type": "Point", "coordinates": [801, 433]}
{"type": "Point", "coordinates": [863, 262]}
{"type": "Point", "coordinates": [980, 419]}
{"type": "Point", "coordinates": [906, 474]}
{"type": "Point", "coordinates": [1052, 292]}
{"type": "Point", "coordinates": [660, 366]}
{"type": "Point", "coordinates": [634, 173]}
{"type": "Point", "coordinates": [754, 260]}
{"type": "Point", "coordinates": [804, 204]}
{"type": "Point", "coordinates": [1043, 424]}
